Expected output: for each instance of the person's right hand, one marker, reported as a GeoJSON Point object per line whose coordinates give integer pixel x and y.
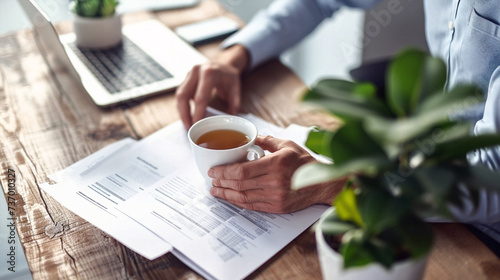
{"type": "Point", "coordinates": [221, 76]}
{"type": "Point", "coordinates": [265, 184]}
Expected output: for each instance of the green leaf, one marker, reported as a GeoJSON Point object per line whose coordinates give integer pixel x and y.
{"type": "Point", "coordinates": [332, 225]}
{"type": "Point", "coordinates": [380, 210]}
{"type": "Point", "coordinates": [417, 236]}
{"type": "Point", "coordinates": [447, 132]}
{"type": "Point", "coordinates": [346, 99]}
{"type": "Point", "coordinates": [433, 78]}
{"type": "Point", "coordinates": [456, 99]}
{"type": "Point", "coordinates": [346, 207]}
{"type": "Point", "coordinates": [319, 142]}
{"type": "Point", "coordinates": [87, 8]}
{"type": "Point", "coordinates": [345, 89]}
{"type": "Point", "coordinates": [399, 131]}
{"type": "Point", "coordinates": [351, 142]}
{"type": "Point", "coordinates": [395, 132]}
{"type": "Point", "coordinates": [94, 8]}
{"type": "Point", "coordinates": [400, 183]}
{"type": "Point", "coordinates": [438, 183]}
{"type": "Point", "coordinates": [353, 249]}
{"type": "Point", "coordinates": [315, 173]}
{"type": "Point", "coordinates": [437, 180]}
{"type": "Point", "coordinates": [459, 147]}
{"type": "Point", "coordinates": [381, 252]}
{"type": "Point", "coordinates": [108, 7]}
{"type": "Point", "coordinates": [479, 177]}
{"type": "Point", "coordinates": [403, 81]}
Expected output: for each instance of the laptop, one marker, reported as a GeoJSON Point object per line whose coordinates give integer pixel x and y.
{"type": "Point", "coordinates": [151, 59]}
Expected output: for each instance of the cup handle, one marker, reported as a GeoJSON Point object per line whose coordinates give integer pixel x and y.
{"type": "Point", "coordinates": [254, 152]}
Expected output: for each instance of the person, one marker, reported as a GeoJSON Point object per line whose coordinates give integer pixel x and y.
{"type": "Point", "coordinates": [463, 33]}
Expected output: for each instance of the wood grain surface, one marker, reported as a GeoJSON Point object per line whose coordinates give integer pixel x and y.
{"type": "Point", "coordinates": [47, 122]}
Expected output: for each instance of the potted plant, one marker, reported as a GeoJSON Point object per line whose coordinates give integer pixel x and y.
{"type": "Point", "coordinates": [96, 23]}
{"type": "Point", "coordinates": [406, 160]}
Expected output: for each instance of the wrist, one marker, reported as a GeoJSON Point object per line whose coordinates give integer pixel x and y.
{"type": "Point", "coordinates": [236, 56]}
{"type": "Point", "coordinates": [329, 190]}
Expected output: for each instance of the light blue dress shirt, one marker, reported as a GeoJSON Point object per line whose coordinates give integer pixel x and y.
{"type": "Point", "coordinates": [464, 33]}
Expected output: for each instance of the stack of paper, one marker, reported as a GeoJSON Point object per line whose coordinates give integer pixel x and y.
{"type": "Point", "coordinates": [149, 196]}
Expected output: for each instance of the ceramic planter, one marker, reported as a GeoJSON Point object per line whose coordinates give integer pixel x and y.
{"type": "Point", "coordinates": [98, 33]}
{"type": "Point", "coordinates": [332, 264]}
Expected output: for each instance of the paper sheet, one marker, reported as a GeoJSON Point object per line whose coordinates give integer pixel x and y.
{"type": "Point", "coordinates": [149, 196]}
{"type": "Point", "coordinates": [226, 241]}
{"type": "Point", "coordinates": [97, 205]}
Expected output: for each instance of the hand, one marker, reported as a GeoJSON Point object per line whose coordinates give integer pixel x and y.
{"type": "Point", "coordinates": [265, 184]}
{"type": "Point", "coordinates": [221, 75]}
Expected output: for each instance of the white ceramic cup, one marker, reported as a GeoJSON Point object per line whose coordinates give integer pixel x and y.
{"type": "Point", "coordinates": [206, 158]}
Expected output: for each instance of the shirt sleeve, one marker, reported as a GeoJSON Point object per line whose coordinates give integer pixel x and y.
{"type": "Point", "coordinates": [284, 23]}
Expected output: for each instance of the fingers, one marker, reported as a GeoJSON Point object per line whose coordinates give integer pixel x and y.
{"type": "Point", "coordinates": [250, 198]}
{"type": "Point", "coordinates": [270, 143]}
{"type": "Point", "coordinates": [279, 161]}
{"type": "Point", "coordinates": [208, 81]}
{"type": "Point", "coordinates": [269, 188]}
{"type": "Point", "coordinates": [200, 83]}
{"type": "Point", "coordinates": [234, 96]}
{"type": "Point", "coordinates": [185, 93]}
{"type": "Point", "coordinates": [241, 171]}
{"type": "Point", "coordinates": [237, 185]}
{"type": "Point", "coordinates": [257, 200]}
{"type": "Point", "coordinates": [236, 196]}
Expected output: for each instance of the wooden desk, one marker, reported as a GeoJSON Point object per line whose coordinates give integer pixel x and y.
{"type": "Point", "coordinates": [47, 123]}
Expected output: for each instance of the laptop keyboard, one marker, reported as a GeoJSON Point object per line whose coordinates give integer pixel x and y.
{"type": "Point", "coordinates": [123, 67]}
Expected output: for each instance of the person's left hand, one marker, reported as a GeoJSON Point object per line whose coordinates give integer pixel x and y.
{"type": "Point", "coordinates": [265, 184]}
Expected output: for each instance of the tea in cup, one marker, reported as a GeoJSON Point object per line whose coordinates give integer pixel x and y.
{"type": "Point", "coordinates": [223, 139]}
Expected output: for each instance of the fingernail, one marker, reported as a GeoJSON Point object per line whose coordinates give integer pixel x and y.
{"type": "Point", "coordinates": [211, 173]}
{"type": "Point", "coordinates": [216, 183]}
{"type": "Point", "coordinates": [213, 191]}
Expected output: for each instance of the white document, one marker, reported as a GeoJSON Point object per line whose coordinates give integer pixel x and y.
{"type": "Point", "coordinates": [149, 195]}
{"type": "Point", "coordinates": [226, 241]}
{"type": "Point", "coordinates": [86, 188]}
{"type": "Point", "coordinates": [93, 187]}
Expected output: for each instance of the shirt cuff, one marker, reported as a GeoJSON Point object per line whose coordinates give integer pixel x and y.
{"type": "Point", "coordinates": [254, 37]}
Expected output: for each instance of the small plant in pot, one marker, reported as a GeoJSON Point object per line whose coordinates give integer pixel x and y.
{"type": "Point", "coordinates": [96, 23]}
{"type": "Point", "coordinates": [406, 160]}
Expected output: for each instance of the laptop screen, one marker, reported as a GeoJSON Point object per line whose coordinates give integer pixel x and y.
{"type": "Point", "coordinates": [47, 39]}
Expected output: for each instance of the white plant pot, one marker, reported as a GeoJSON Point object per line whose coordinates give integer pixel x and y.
{"type": "Point", "coordinates": [331, 263]}
{"type": "Point", "coordinates": [98, 33]}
